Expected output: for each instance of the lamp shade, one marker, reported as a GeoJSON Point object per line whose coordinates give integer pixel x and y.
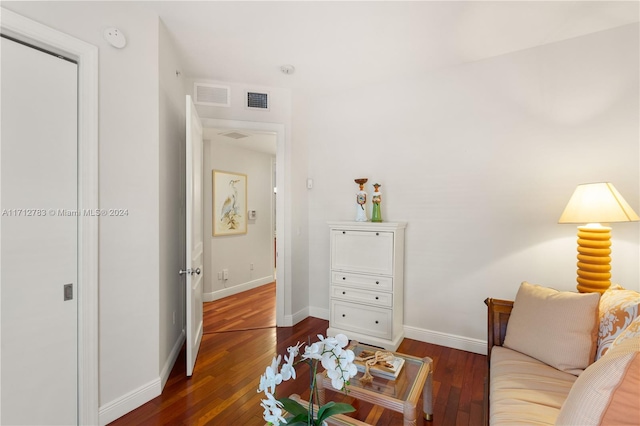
{"type": "Point", "coordinates": [597, 202]}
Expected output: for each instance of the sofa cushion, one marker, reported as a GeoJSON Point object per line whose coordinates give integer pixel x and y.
{"type": "Point", "coordinates": [524, 390]}
{"type": "Point", "coordinates": [608, 392]}
{"type": "Point", "coordinates": [558, 328]}
{"type": "Point", "coordinates": [618, 308]}
{"type": "Point", "coordinates": [631, 332]}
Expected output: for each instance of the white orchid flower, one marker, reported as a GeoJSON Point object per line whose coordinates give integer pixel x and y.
{"type": "Point", "coordinates": [342, 340]}
{"type": "Point", "coordinates": [288, 371]}
{"type": "Point", "coordinates": [337, 380]}
{"type": "Point", "coordinates": [294, 350]}
{"type": "Point", "coordinates": [272, 410]}
{"type": "Point", "coordinates": [271, 377]}
{"type": "Point", "coordinates": [329, 361]}
{"type": "Point", "coordinates": [346, 362]}
{"type": "Point", "coordinates": [313, 351]}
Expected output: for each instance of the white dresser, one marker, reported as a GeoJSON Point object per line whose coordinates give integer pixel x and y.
{"type": "Point", "coordinates": [366, 300]}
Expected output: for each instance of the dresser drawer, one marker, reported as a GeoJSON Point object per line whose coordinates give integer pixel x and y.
{"type": "Point", "coordinates": [368, 282]}
{"type": "Point", "coordinates": [357, 295]}
{"type": "Point", "coordinates": [370, 320]}
{"type": "Point", "coordinates": [370, 252]}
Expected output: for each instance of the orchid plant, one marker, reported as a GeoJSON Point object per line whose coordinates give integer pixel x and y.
{"type": "Point", "coordinates": [338, 363]}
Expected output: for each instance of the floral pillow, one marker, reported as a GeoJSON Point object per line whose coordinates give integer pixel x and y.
{"type": "Point", "coordinates": [631, 332]}
{"type": "Point", "coordinates": [618, 308]}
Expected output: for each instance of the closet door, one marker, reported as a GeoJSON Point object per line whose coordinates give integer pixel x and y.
{"type": "Point", "coordinates": [39, 232]}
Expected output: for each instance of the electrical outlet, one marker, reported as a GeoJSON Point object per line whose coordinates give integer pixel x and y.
{"type": "Point", "coordinates": [220, 275]}
{"type": "Point", "coordinates": [225, 274]}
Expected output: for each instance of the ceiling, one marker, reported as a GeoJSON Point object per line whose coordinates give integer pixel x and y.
{"type": "Point", "coordinates": [337, 45]}
{"type": "Point", "coordinates": [246, 139]}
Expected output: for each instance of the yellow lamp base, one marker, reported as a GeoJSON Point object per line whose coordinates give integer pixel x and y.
{"type": "Point", "coordinates": [594, 262]}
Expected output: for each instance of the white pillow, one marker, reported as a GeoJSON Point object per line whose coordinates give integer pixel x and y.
{"type": "Point", "coordinates": [559, 328]}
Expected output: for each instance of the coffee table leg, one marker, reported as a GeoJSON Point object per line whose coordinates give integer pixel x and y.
{"type": "Point", "coordinates": [427, 393]}
{"type": "Point", "coordinates": [410, 414]}
{"type": "Point", "coordinates": [320, 388]}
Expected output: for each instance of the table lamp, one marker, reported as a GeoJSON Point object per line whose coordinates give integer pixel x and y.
{"type": "Point", "coordinates": [592, 204]}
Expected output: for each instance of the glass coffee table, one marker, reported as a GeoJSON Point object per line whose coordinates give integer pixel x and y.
{"type": "Point", "coordinates": [400, 395]}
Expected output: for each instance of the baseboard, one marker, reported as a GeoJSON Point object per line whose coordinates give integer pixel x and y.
{"type": "Point", "coordinates": [288, 321]}
{"type": "Point", "coordinates": [129, 402]}
{"type": "Point", "coordinates": [168, 366]}
{"type": "Point", "coordinates": [321, 313]}
{"type": "Point", "coordinates": [444, 339]}
{"type": "Point", "coordinates": [225, 292]}
{"type": "Point", "coordinates": [300, 315]}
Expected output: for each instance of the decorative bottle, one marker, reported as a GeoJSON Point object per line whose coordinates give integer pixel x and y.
{"type": "Point", "coordinates": [361, 201]}
{"type": "Point", "coordinates": [376, 216]}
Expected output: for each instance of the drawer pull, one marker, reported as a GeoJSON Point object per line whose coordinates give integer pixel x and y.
{"type": "Point", "coordinates": [376, 297]}
{"type": "Point", "coordinates": [377, 233]}
{"type": "Point", "coordinates": [344, 315]}
{"type": "Point", "coordinates": [344, 232]}
{"type": "Point", "coordinates": [377, 282]}
{"type": "Point", "coordinates": [344, 292]}
{"type": "Point", "coordinates": [344, 278]}
{"type": "Point", "coordinates": [376, 321]}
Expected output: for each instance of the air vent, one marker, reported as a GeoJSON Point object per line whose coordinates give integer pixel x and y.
{"type": "Point", "coordinates": [235, 135]}
{"type": "Point", "coordinates": [211, 94]}
{"type": "Point", "coordinates": [258, 100]}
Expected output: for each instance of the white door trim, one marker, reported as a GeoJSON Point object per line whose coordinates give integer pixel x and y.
{"type": "Point", "coordinates": [283, 220]}
{"type": "Point", "coordinates": [86, 55]}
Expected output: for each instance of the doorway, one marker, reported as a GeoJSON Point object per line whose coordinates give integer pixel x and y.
{"type": "Point", "coordinates": [240, 263]}
{"type": "Point", "coordinates": [276, 131]}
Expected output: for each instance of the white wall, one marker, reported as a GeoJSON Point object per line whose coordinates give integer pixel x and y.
{"type": "Point", "coordinates": [172, 203]}
{"type": "Point", "coordinates": [480, 160]}
{"type": "Point", "coordinates": [129, 170]}
{"type": "Point", "coordinates": [236, 253]}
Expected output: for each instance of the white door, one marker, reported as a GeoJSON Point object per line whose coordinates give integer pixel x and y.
{"type": "Point", "coordinates": [194, 233]}
{"type": "Point", "coordinates": [39, 231]}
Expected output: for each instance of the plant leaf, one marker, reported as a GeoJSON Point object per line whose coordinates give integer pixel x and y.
{"type": "Point", "coordinates": [293, 407]}
{"type": "Point", "coordinates": [299, 420]}
{"type": "Point", "coordinates": [331, 408]}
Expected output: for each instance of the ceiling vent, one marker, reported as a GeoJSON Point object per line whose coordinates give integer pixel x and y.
{"type": "Point", "coordinates": [211, 94]}
{"type": "Point", "coordinates": [235, 135]}
{"type": "Point", "coordinates": [258, 100]}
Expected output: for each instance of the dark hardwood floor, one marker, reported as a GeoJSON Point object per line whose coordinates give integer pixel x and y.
{"type": "Point", "coordinates": [239, 342]}
{"type": "Point", "coordinates": [250, 309]}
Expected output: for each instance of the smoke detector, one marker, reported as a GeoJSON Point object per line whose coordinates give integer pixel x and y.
{"type": "Point", "coordinates": [288, 69]}
{"type": "Point", "coordinates": [115, 37]}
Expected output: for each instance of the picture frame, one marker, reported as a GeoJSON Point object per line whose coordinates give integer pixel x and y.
{"type": "Point", "coordinates": [229, 203]}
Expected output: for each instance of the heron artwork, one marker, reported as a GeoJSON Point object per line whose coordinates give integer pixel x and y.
{"type": "Point", "coordinates": [229, 214]}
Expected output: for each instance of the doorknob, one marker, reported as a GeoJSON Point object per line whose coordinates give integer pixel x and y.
{"type": "Point", "coordinates": [190, 271]}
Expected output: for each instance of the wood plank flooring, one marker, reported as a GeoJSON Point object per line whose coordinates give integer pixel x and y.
{"type": "Point", "coordinates": [255, 308]}
{"type": "Point", "coordinates": [240, 341]}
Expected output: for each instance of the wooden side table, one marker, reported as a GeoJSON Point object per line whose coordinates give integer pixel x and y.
{"type": "Point", "coordinates": [400, 395]}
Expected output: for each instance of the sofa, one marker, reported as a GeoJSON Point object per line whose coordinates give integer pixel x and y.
{"type": "Point", "coordinates": [563, 358]}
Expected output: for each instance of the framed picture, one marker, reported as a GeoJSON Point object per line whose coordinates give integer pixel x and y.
{"type": "Point", "coordinates": [229, 203]}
